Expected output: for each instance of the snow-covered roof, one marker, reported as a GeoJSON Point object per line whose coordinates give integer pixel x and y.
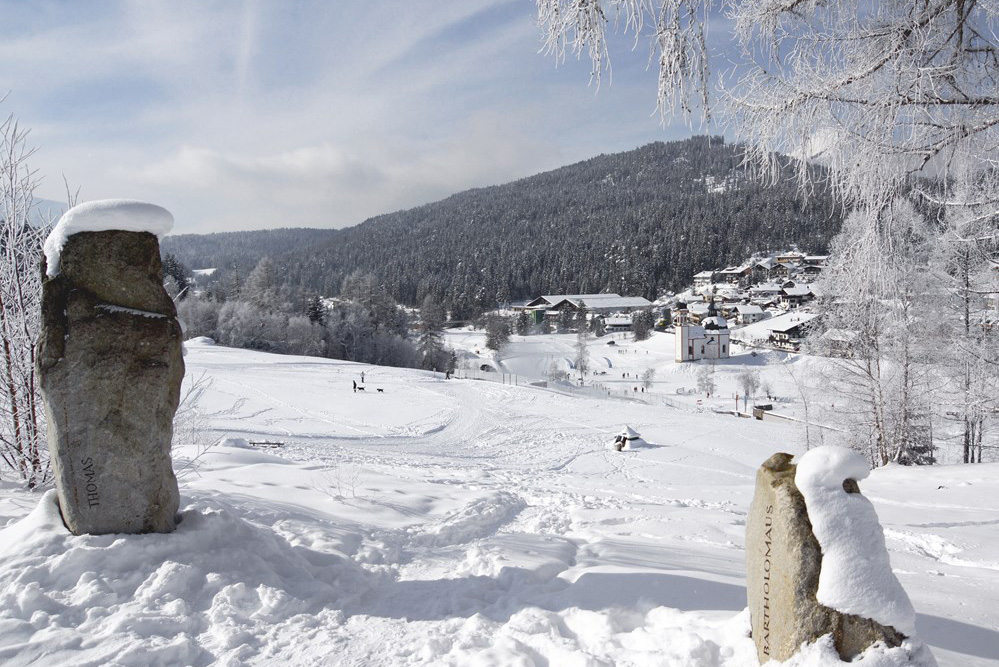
{"type": "Point", "coordinates": [734, 269]}
{"type": "Point", "coordinates": [803, 290]}
{"type": "Point", "coordinates": [599, 301]}
{"type": "Point", "coordinates": [744, 309]}
{"type": "Point", "coordinates": [694, 331]}
{"type": "Point", "coordinates": [104, 215]}
{"type": "Point", "coordinates": [766, 288]}
{"type": "Point", "coordinates": [715, 323]}
{"type": "Point", "coordinates": [789, 321]}
{"type": "Point", "coordinates": [697, 307]}
{"type": "Point", "coordinates": [617, 321]}
{"type": "Point", "coordinates": [705, 274]}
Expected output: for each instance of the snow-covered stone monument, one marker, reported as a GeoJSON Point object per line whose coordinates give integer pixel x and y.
{"type": "Point", "coordinates": [111, 363]}
{"type": "Point", "coordinates": [817, 564]}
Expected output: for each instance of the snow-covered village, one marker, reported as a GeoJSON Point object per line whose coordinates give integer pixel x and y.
{"type": "Point", "coordinates": [407, 335]}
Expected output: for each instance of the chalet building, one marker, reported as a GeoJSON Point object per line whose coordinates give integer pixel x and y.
{"type": "Point", "coordinates": [704, 278]}
{"type": "Point", "coordinates": [792, 258]}
{"type": "Point", "coordinates": [617, 324]}
{"type": "Point", "coordinates": [735, 275]}
{"type": "Point", "coordinates": [784, 271]}
{"type": "Point", "coordinates": [838, 342]}
{"type": "Point", "coordinates": [698, 310]}
{"type": "Point", "coordinates": [748, 314]}
{"type": "Point", "coordinates": [550, 306]}
{"type": "Point", "coordinates": [787, 331]}
{"type": "Point", "coordinates": [766, 293]}
{"type": "Point", "coordinates": [811, 270]}
{"type": "Point", "coordinates": [815, 260]}
{"type": "Point", "coordinates": [762, 270]}
{"type": "Point", "coordinates": [794, 297]}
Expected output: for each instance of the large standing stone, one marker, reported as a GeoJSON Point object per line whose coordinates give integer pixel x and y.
{"type": "Point", "coordinates": [111, 366]}
{"type": "Point", "coordinates": [783, 561]}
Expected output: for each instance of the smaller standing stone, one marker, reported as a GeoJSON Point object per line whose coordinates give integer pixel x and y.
{"type": "Point", "coordinates": [783, 562]}
{"type": "Point", "coordinates": [111, 365]}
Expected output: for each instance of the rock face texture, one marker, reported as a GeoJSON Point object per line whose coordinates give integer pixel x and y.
{"type": "Point", "coordinates": [783, 561]}
{"type": "Point", "coordinates": [111, 365]}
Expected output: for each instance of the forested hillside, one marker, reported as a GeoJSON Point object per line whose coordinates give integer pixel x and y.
{"type": "Point", "coordinates": [636, 223]}
{"type": "Point", "coordinates": [242, 250]}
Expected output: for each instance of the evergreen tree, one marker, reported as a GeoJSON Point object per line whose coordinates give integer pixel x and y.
{"type": "Point", "coordinates": [261, 287]}
{"type": "Point", "coordinates": [173, 268]}
{"type": "Point", "coordinates": [641, 324]}
{"type": "Point", "coordinates": [316, 310]}
{"type": "Point", "coordinates": [523, 323]}
{"type": "Point", "coordinates": [566, 320]}
{"type": "Point", "coordinates": [431, 340]}
{"type": "Point", "coordinates": [497, 332]}
{"type": "Point", "coordinates": [599, 326]}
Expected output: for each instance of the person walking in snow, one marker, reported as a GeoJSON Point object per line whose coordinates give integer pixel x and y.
{"type": "Point", "coordinates": [362, 377]}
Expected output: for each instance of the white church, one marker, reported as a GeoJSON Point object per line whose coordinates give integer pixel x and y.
{"type": "Point", "coordinates": [708, 340]}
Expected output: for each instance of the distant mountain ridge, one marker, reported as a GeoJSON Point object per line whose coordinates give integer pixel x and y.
{"type": "Point", "coordinates": [636, 223]}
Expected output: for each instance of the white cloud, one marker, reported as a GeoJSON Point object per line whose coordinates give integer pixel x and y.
{"type": "Point", "coordinates": [265, 114]}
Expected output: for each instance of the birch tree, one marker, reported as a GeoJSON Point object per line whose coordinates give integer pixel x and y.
{"type": "Point", "coordinates": [880, 91]}
{"type": "Point", "coordinates": [581, 361]}
{"type": "Point", "coordinates": [22, 428]}
{"type": "Point", "coordinates": [876, 286]}
{"type": "Point", "coordinates": [966, 286]}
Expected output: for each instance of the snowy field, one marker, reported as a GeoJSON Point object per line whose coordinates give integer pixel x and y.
{"type": "Point", "coordinates": [463, 522]}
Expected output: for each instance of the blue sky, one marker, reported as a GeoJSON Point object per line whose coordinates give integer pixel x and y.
{"type": "Point", "coordinates": [253, 115]}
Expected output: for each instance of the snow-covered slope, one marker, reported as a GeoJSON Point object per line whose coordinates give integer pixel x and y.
{"type": "Point", "coordinates": [461, 522]}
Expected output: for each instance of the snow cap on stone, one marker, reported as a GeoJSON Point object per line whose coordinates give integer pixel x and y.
{"type": "Point", "coordinates": [856, 575]}
{"type": "Point", "coordinates": [629, 432]}
{"type": "Point", "coordinates": [104, 215]}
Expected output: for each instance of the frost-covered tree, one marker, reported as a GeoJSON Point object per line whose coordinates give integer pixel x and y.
{"type": "Point", "coordinates": [199, 316]}
{"type": "Point", "coordinates": [582, 358]}
{"type": "Point", "coordinates": [431, 340]}
{"type": "Point", "coordinates": [706, 379]}
{"type": "Point", "coordinates": [874, 334]}
{"type": "Point", "coordinates": [497, 332]}
{"type": "Point", "coordinates": [965, 326]}
{"type": "Point", "coordinates": [22, 426]}
{"type": "Point", "coordinates": [882, 91]}
{"type": "Point", "coordinates": [261, 286]}
{"type": "Point", "coordinates": [366, 290]}
{"type": "Point", "coordinates": [749, 382]}
{"type": "Point", "coordinates": [648, 377]}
